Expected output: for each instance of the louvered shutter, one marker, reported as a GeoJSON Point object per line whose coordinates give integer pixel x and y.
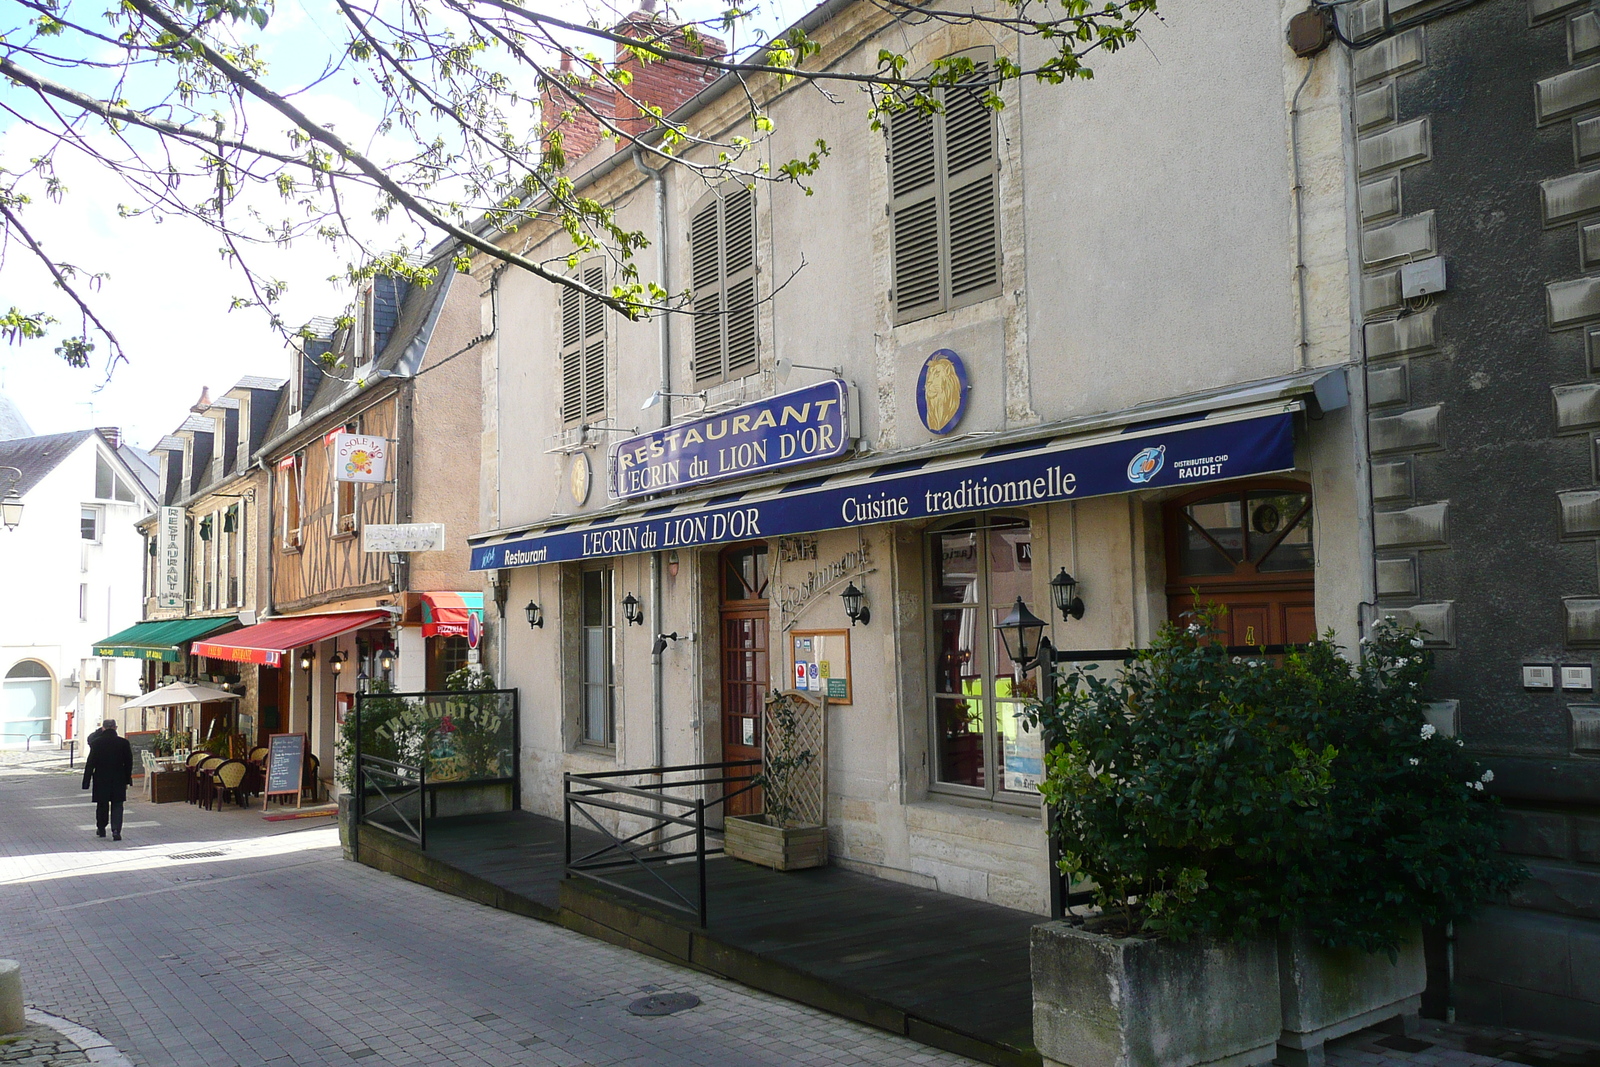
{"type": "Point", "coordinates": [970, 192]}
{"type": "Point", "coordinates": [722, 238]}
{"type": "Point", "coordinates": [571, 355]}
{"type": "Point", "coordinates": [914, 215]}
{"type": "Point", "coordinates": [583, 349]}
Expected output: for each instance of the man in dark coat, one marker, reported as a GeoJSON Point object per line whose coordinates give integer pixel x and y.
{"type": "Point", "coordinates": [110, 768]}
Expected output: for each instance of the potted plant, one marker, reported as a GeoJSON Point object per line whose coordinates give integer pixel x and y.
{"type": "Point", "coordinates": [783, 837]}
{"type": "Point", "coordinates": [1263, 838]}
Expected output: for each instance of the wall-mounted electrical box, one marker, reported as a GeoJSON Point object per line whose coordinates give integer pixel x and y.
{"type": "Point", "coordinates": [1577, 677]}
{"type": "Point", "coordinates": [1422, 277]}
{"type": "Point", "coordinates": [1538, 676]}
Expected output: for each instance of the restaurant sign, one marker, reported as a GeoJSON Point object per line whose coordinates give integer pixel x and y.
{"type": "Point", "coordinates": [801, 426]}
{"type": "Point", "coordinates": [169, 558]}
{"type": "Point", "coordinates": [1023, 475]}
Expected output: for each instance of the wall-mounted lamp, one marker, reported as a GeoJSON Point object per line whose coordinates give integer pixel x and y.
{"type": "Point", "coordinates": [11, 503]}
{"type": "Point", "coordinates": [535, 616]}
{"type": "Point", "coordinates": [1064, 593]}
{"type": "Point", "coordinates": [853, 605]}
{"type": "Point", "coordinates": [672, 563]}
{"type": "Point", "coordinates": [386, 660]}
{"type": "Point", "coordinates": [307, 658]}
{"type": "Point", "coordinates": [1021, 631]}
{"type": "Point", "coordinates": [661, 642]}
{"type": "Point", "coordinates": [337, 662]}
{"type": "Point", "coordinates": [660, 394]}
{"type": "Point", "coordinates": [631, 610]}
{"type": "Point", "coordinates": [396, 559]}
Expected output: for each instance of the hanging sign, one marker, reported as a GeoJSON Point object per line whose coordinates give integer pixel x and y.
{"type": "Point", "coordinates": [942, 390]}
{"type": "Point", "coordinates": [801, 426]}
{"type": "Point", "coordinates": [1026, 476]}
{"type": "Point", "coordinates": [402, 537]}
{"type": "Point", "coordinates": [360, 458]}
{"type": "Point", "coordinates": [169, 559]}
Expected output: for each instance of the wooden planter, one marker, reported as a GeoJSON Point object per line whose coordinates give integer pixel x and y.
{"type": "Point", "coordinates": [752, 838]}
{"type": "Point", "coordinates": [1131, 1002]}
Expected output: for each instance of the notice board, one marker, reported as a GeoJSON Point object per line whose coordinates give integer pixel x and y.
{"type": "Point", "coordinates": [820, 662]}
{"type": "Point", "coordinates": [286, 764]}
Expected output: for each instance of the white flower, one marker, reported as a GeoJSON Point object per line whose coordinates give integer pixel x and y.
{"type": "Point", "coordinates": [1236, 659]}
{"type": "Point", "coordinates": [1488, 776]}
{"type": "Point", "coordinates": [1478, 786]}
{"type": "Point", "coordinates": [1194, 629]}
{"type": "Point", "coordinates": [1428, 730]}
{"type": "Point", "coordinates": [1416, 642]}
{"type": "Point", "coordinates": [1460, 743]}
{"type": "Point", "coordinates": [1414, 761]}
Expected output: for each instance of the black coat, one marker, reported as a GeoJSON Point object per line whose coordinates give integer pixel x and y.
{"type": "Point", "coordinates": [109, 766]}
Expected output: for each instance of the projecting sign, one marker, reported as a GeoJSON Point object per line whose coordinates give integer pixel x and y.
{"type": "Point", "coordinates": [169, 558]}
{"type": "Point", "coordinates": [360, 458]}
{"type": "Point", "coordinates": [402, 537]}
{"type": "Point", "coordinates": [780, 431]}
{"type": "Point", "coordinates": [1030, 474]}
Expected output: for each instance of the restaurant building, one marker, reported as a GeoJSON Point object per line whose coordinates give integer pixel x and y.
{"type": "Point", "coordinates": [369, 466]}
{"type": "Point", "coordinates": [1107, 341]}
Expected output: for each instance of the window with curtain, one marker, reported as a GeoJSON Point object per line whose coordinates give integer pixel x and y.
{"type": "Point", "coordinates": [944, 173]}
{"type": "Point", "coordinates": [583, 348]}
{"type": "Point", "coordinates": [722, 275]}
{"type": "Point", "coordinates": [598, 710]}
{"type": "Point", "coordinates": [977, 569]}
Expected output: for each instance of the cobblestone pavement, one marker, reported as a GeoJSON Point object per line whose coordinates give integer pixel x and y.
{"type": "Point", "coordinates": [221, 939]}
{"type": "Point", "coordinates": [40, 1046]}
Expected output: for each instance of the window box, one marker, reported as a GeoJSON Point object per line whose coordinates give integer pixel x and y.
{"type": "Point", "coordinates": [1101, 1001]}
{"type": "Point", "coordinates": [752, 839]}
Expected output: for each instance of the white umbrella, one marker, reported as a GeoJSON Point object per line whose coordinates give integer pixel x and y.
{"type": "Point", "coordinates": [179, 693]}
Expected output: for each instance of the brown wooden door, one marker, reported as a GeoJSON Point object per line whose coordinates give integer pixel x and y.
{"type": "Point", "coordinates": [746, 662]}
{"type": "Point", "coordinates": [1248, 550]}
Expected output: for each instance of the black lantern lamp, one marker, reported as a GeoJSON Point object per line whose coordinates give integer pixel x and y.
{"type": "Point", "coordinates": [337, 662]}
{"type": "Point", "coordinates": [1021, 631]}
{"type": "Point", "coordinates": [307, 658]}
{"type": "Point", "coordinates": [1064, 594]}
{"type": "Point", "coordinates": [631, 611]}
{"type": "Point", "coordinates": [535, 616]}
{"type": "Point", "coordinates": [11, 501]}
{"type": "Point", "coordinates": [853, 606]}
{"type": "Point", "coordinates": [386, 660]}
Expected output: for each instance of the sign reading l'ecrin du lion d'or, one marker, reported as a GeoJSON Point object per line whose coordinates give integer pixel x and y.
{"type": "Point", "coordinates": [780, 431]}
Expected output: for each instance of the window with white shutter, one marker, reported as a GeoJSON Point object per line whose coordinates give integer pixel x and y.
{"type": "Point", "coordinates": [722, 276]}
{"type": "Point", "coordinates": [583, 348]}
{"type": "Point", "coordinates": [944, 208]}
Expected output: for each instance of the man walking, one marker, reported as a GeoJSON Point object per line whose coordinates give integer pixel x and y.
{"type": "Point", "coordinates": [110, 768]}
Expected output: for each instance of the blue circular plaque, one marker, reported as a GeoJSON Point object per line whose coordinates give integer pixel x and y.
{"type": "Point", "coordinates": [942, 390]}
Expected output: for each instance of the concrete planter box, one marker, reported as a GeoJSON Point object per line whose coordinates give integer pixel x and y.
{"type": "Point", "coordinates": [1128, 1002]}
{"type": "Point", "coordinates": [1329, 992]}
{"type": "Point", "coordinates": [346, 830]}
{"type": "Point", "coordinates": [752, 838]}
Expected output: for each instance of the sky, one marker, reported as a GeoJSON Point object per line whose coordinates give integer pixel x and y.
{"type": "Point", "coordinates": [167, 292]}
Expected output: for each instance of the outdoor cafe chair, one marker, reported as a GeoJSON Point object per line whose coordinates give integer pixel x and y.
{"type": "Point", "coordinates": [229, 780]}
{"type": "Point", "coordinates": [191, 774]}
{"type": "Point", "coordinates": [205, 776]}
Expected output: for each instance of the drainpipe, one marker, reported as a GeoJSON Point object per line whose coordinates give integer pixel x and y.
{"type": "Point", "coordinates": [664, 326]}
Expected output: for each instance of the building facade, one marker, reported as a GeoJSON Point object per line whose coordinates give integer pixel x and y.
{"type": "Point", "coordinates": [1075, 335]}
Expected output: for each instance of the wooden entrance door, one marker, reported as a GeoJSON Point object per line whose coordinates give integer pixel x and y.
{"type": "Point", "coordinates": [1249, 550]}
{"type": "Point", "coordinates": [746, 661]}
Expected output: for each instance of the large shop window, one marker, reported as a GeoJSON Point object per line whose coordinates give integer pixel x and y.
{"type": "Point", "coordinates": [1249, 551]}
{"type": "Point", "coordinates": [598, 712]}
{"type": "Point", "coordinates": [978, 569]}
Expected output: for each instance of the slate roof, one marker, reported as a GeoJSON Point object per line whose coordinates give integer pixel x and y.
{"type": "Point", "coordinates": [36, 457]}
{"type": "Point", "coordinates": [257, 382]}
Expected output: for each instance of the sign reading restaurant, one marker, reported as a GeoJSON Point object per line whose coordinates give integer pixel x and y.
{"type": "Point", "coordinates": [169, 558]}
{"type": "Point", "coordinates": [1023, 475]}
{"type": "Point", "coordinates": [780, 431]}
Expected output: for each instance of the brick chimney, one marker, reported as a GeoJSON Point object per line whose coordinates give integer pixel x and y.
{"type": "Point", "coordinates": [204, 402]}
{"type": "Point", "coordinates": [560, 104]}
{"type": "Point", "coordinates": [112, 434]}
{"type": "Point", "coordinates": [663, 84]}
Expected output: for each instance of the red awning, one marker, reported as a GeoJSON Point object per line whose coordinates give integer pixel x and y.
{"type": "Point", "coordinates": [266, 642]}
{"type": "Point", "coordinates": [451, 614]}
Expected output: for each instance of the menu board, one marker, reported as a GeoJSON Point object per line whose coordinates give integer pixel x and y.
{"type": "Point", "coordinates": [141, 742]}
{"type": "Point", "coordinates": [821, 663]}
{"type": "Point", "coordinates": [286, 762]}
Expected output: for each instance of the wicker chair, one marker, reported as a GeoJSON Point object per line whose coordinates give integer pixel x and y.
{"type": "Point", "coordinates": [206, 780]}
{"type": "Point", "coordinates": [230, 779]}
{"type": "Point", "coordinates": [191, 770]}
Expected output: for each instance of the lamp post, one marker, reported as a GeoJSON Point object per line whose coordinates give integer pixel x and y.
{"type": "Point", "coordinates": [11, 502]}
{"type": "Point", "coordinates": [308, 660]}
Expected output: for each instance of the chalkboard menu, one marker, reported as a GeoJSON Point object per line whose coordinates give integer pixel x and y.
{"type": "Point", "coordinates": [286, 762]}
{"type": "Point", "coordinates": [140, 741]}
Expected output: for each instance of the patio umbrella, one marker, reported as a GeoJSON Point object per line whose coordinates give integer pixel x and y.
{"type": "Point", "coordinates": [179, 693]}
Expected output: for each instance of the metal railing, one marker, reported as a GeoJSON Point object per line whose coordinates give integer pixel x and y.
{"type": "Point", "coordinates": [396, 783]}
{"type": "Point", "coordinates": [666, 820]}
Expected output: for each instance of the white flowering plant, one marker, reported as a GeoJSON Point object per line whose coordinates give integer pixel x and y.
{"type": "Point", "coordinates": [1207, 793]}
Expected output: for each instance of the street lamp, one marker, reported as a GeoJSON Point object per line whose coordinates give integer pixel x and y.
{"type": "Point", "coordinates": [336, 664]}
{"type": "Point", "coordinates": [853, 607]}
{"type": "Point", "coordinates": [1064, 594]}
{"type": "Point", "coordinates": [386, 660]}
{"type": "Point", "coordinates": [535, 616]}
{"type": "Point", "coordinates": [11, 503]}
{"type": "Point", "coordinates": [1021, 631]}
{"type": "Point", "coordinates": [631, 610]}
{"type": "Point", "coordinates": [308, 658]}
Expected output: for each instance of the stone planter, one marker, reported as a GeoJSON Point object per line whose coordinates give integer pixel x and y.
{"type": "Point", "coordinates": [346, 829]}
{"type": "Point", "coordinates": [1129, 1002]}
{"type": "Point", "coordinates": [752, 838]}
{"type": "Point", "coordinates": [1328, 992]}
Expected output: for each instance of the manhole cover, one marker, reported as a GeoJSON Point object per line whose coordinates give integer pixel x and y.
{"type": "Point", "coordinates": [664, 1004]}
{"type": "Point", "coordinates": [197, 855]}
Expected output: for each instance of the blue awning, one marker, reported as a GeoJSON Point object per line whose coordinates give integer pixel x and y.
{"type": "Point", "coordinates": [1187, 450]}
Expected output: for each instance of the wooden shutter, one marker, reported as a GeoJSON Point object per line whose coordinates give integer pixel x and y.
{"type": "Point", "coordinates": [722, 238]}
{"type": "Point", "coordinates": [583, 349]}
{"type": "Point", "coordinates": [943, 188]}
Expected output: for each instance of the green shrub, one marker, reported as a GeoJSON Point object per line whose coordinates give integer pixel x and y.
{"type": "Point", "coordinates": [1204, 793]}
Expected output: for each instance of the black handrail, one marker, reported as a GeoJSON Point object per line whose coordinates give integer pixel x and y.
{"type": "Point", "coordinates": [587, 794]}
{"type": "Point", "coordinates": [369, 770]}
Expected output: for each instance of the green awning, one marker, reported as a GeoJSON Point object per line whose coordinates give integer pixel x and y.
{"type": "Point", "coordinates": [161, 640]}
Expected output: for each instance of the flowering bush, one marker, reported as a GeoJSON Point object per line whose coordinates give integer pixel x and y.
{"type": "Point", "coordinates": [1206, 793]}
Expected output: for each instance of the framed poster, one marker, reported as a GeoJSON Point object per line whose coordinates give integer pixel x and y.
{"type": "Point", "coordinates": [820, 663]}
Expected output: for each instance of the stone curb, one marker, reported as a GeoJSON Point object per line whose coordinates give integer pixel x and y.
{"type": "Point", "coordinates": [98, 1049]}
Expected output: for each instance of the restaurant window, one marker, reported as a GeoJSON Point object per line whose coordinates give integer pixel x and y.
{"type": "Point", "coordinates": [290, 492]}
{"type": "Point", "coordinates": [977, 569]}
{"type": "Point", "coordinates": [446, 656]}
{"type": "Point", "coordinates": [598, 710]}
